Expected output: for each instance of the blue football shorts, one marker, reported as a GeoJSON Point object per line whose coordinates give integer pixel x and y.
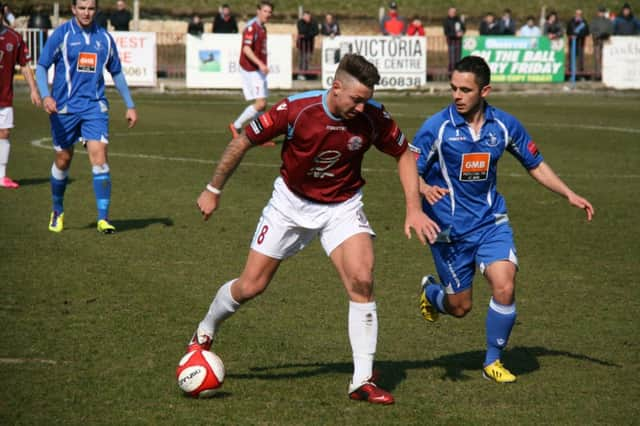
{"type": "Point", "coordinates": [456, 262]}
{"type": "Point", "coordinates": [67, 129]}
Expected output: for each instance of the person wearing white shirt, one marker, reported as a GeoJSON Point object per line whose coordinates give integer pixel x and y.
{"type": "Point", "coordinates": [530, 29]}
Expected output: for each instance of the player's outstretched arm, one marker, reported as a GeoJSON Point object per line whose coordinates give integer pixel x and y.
{"type": "Point", "coordinates": [27, 73]}
{"type": "Point", "coordinates": [231, 157]}
{"type": "Point", "coordinates": [425, 228]}
{"type": "Point", "coordinates": [121, 84]}
{"type": "Point", "coordinates": [548, 178]}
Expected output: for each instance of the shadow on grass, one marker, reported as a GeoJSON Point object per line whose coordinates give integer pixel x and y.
{"type": "Point", "coordinates": [131, 224]}
{"type": "Point", "coordinates": [520, 360]}
{"type": "Point", "coordinates": [38, 181]}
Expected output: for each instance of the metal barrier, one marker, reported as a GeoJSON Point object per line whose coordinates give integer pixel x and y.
{"type": "Point", "coordinates": [171, 56]}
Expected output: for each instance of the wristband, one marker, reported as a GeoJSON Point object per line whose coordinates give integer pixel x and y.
{"type": "Point", "coordinates": [213, 189]}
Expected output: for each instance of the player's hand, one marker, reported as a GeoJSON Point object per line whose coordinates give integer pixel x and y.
{"type": "Point", "coordinates": [432, 193]}
{"type": "Point", "coordinates": [49, 105]}
{"type": "Point", "coordinates": [264, 69]}
{"type": "Point", "coordinates": [426, 229]}
{"type": "Point", "coordinates": [582, 203]}
{"type": "Point", "coordinates": [132, 117]}
{"type": "Point", "coordinates": [207, 203]}
{"type": "Point", "coordinates": [35, 98]}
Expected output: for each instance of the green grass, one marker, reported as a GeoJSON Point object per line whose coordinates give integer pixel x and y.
{"type": "Point", "coordinates": [93, 326]}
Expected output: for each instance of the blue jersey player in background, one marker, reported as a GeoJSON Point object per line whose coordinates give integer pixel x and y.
{"type": "Point", "coordinates": [458, 151]}
{"type": "Point", "coordinates": [78, 109]}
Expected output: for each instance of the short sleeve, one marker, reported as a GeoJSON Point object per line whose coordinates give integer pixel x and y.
{"type": "Point", "coordinates": [269, 125]}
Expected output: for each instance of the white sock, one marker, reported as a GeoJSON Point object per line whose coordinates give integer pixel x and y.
{"type": "Point", "coordinates": [57, 173]}
{"type": "Point", "coordinates": [5, 147]}
{"type": "Point", "coordinates": [222, 307]}
{"type": "Point", "coordinates": [363, 334]}
{"type": "Point", "coordinates": [249, 113]}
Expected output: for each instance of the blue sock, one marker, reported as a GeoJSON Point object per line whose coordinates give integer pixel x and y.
{"type": "Point", "coordinates": [500, 320]}
{"type": "Point", "coordinates": [435, 294]}
{"type": "Point", "coordinates": [58, 179]}
{"type": "Point", "coordinates": [102, 190]}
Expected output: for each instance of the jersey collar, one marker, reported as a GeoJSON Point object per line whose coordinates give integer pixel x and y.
{"type": "Point", "coordinates": [326, 107]}
{"type": "Point", "coordinates": [458, 120]}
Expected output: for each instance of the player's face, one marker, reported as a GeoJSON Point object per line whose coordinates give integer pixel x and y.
{"type": "Point", "coordinates": [264, 13]}
{"type": "Point", "coordinates": [84, 11]}
{"type": "Point", "coordinates": [467, 95]}
{"type": "Point", "coordinates": [349, 98]}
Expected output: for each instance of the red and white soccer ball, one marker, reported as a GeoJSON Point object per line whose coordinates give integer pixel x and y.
{"type": "Point", "coordinates": [200, 373]}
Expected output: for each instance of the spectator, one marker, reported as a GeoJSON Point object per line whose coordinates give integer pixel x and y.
{"type": "Point", "coordinates": [489, 26]}
{"type": "Point", "coordinates": [415, 27]}
{"type": "Point", "coordinates": [454, 29]}
{"type": "Point", "coordinates": [330, 26]}
{"type": "Point", "coordinates": [392, 23]}
{"type": "Point", "coordinates": [552, 27]}
{"type": "Point", "coordinates": [625, 23]}
{"type": "Point", "coordinates": [601, 30]}
{"type": "Point", "coordinates": [225, 22]}
{"type": "Point", "coordinates": [8, 17]}
{"type": "Point", "coordinates": [578, 30]}
{"type": "Point", "coordinates": [530, 29]}
{"type": "Point", "coordinates": [101, 19]}
{"type": "Point", "coordinates": [196, 27]}
{"type": "Point", "coordinates": [307, 32]}
{"type": "Point", "coordinates": [39, 19]}
{"type": "Point", "coordinates": [507, 23]}
{"type": "Point", "coordinates": [121, 18]}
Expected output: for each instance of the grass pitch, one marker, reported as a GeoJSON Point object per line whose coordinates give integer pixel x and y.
{"type": "Point", "coordinates": [93, 326]}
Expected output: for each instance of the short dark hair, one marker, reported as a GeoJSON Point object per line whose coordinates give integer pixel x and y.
{"type": "Point", "coordinates": [75, 3]}
{"type": "Point", "coordinates": [265, 3]}
{"type": "Point", "coordinates": [477, 66]}
{"type": "Point", "coordinates": [359, 68]}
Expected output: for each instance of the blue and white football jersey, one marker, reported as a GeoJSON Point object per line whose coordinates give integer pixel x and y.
{"type": "Point", "coordinates": [451, 156]}
{"type": "Point", "coordinates": [80, 57]}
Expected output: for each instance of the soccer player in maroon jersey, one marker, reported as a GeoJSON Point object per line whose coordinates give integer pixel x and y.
{"type": "Point", "coordinates": [13, 50]}
{"type": "Point", "coordinates": [253, 66]}
{"type": "Point", "coordinates": [318, 193]}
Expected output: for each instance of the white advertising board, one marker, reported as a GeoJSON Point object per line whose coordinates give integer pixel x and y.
{"type": "Point", "coordinates": [401, 61]}
{"type": "Point", "coordinates": [212, 61]}
{"type": "Point", "coordinates": [138, 56]}
{"type": "Point", "coordinates": [621, 62]}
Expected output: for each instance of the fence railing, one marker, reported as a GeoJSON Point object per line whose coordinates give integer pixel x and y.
{"type": "Point", "coordinates": [171, 56]}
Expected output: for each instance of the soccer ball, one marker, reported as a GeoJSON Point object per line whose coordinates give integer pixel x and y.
{"type": "Point", "coordinates": [200, 373]}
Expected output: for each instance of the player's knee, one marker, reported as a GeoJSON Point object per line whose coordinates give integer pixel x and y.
{"type": "Point", "coordinates": [362, 284]}
{"type": "Point", "coordinates": [459, 310]}
{"type": "Point", "coordinates": [5, 133]}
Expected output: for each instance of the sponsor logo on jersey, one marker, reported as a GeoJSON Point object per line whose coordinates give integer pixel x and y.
{"type": "Point", "coordinates": [354, 143]}
{"type": "Point", "coordinates": [87, 62]}
{"type": "Point", "coordinates": [336, 128]}
{"type": "Point", "coordinates": [533, 149]}
{"type": "Point", "coordinates": [475, 166]}
{"type": "Point", "coordinates": [265, 120]}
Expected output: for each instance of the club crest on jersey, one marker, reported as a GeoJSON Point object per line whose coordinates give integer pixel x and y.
{"type": "Point", "coordinates": [475, 166]}
{"type": "Point", "coordinates": [87, 62]}
{"type": "Point", "coordinates": [493, 139]}
{"type": "Point", "coordinates": [354, 143]}
{"type": "Point", "coordinates": [9, 47]}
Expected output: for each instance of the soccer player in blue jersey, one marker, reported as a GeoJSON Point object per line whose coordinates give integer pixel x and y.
{"type": "Point", "coordinates": [77, 106]}
{"type": "Point", "coordinates": [458, 150]}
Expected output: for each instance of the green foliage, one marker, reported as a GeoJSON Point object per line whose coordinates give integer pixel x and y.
{"type": "Point", "coordinates": [93, 326]}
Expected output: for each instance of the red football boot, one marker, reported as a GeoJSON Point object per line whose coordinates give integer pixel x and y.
{"type": "Point", "coordinates": [370, 392]}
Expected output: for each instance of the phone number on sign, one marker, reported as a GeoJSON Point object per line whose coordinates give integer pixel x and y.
{"type": "Point", "coordinates": [395, 82]}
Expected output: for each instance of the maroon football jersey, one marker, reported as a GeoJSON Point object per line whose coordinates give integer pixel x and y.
{"type": "Point", "coordinates": [322, 154]}
{"type": "Point", "coordinates": [254, 36]}
{"type": "Point", "coordinates": [13, 50]}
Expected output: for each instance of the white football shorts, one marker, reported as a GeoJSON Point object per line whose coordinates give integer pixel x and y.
{"type": "Point", "coordinates": [254, 85]}
{"type": "Point", "coordinates": [6, 118]}
{"type": "Point", "coordinates": [289, 222]}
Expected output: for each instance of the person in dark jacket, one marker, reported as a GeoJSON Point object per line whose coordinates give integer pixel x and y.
{"type": "Point", "coordinates": [330, 27]}
{"type": "Point", "coordinates": [489, 26]}
{"type": "Point", "coordinates": [307, 32]}
{"type": "Point", "coordinates": [552, 27]}
{"type": "Point", "coordinates": [454, 29]}
{"type": "Point", "coordinates": [195, 27]}
{"type": "Point", "coordinates": [578, 30]}
{"type": "Point", "coordinates": [507, 23]}
{"type": "Point", "coordinates": [601, 30]}
{"type": "Point", "coordinates": [625, 23]}
{"type": "Point", "coordinates": [39, 19]}
{"type": "Point", "coordinates": [225, 22]}
{"type": "Point", "coordinates": [121, 18]}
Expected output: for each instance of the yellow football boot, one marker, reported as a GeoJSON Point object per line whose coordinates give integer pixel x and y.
{"type": "Point", "coordinates": [497, 373]}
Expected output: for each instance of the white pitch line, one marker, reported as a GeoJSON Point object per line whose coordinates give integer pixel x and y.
{"type": "Point", "coordinates": [38, 143]}
{"type": "Point", "coordinates": [27, 360]}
